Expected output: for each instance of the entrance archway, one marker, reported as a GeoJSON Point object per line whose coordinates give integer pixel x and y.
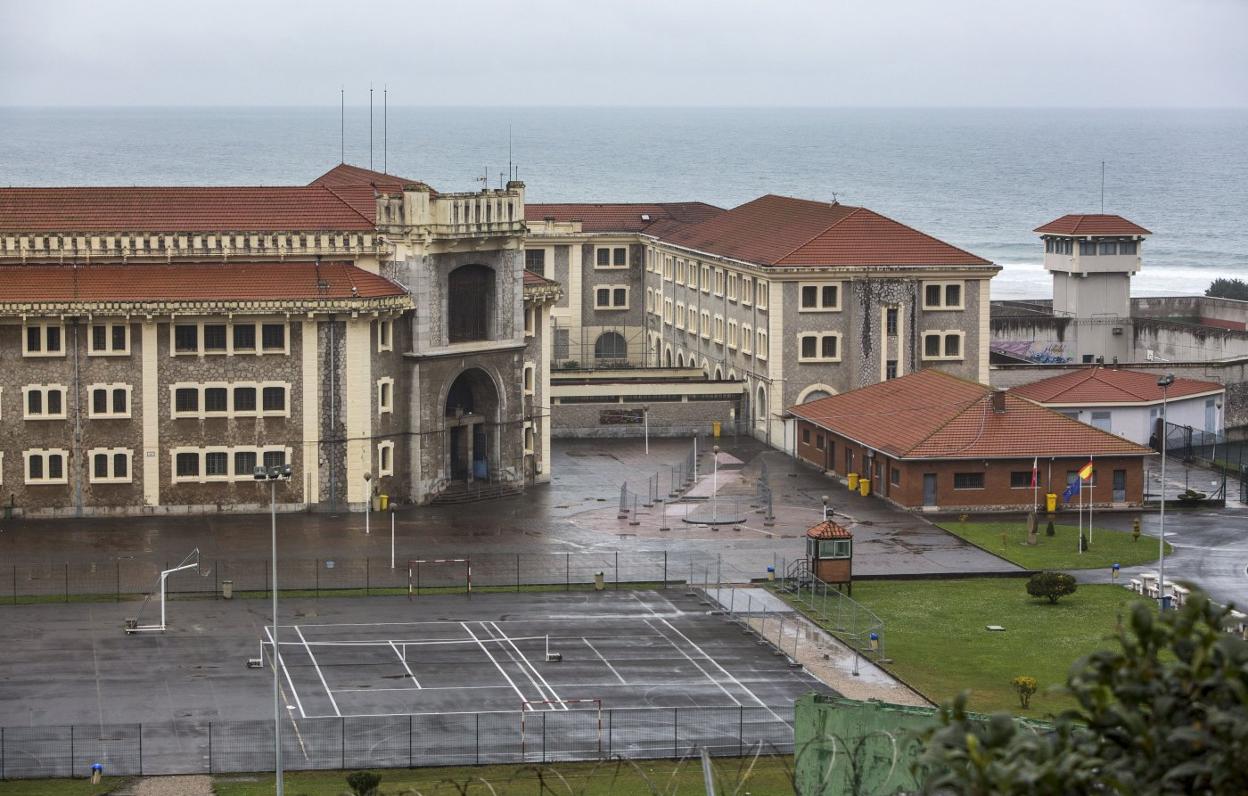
{"type": "Point", "coordinates": [471, 415]}
{"type": "Point", "coordinates": [610, 345]}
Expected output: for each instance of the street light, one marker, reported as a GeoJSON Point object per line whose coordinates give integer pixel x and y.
{"type": "Point", "coordinates": [645, 418]}
{"type": "Point", "coordinates": [1164, 383]}
{"type": "Point", "coordinates": [274, 474]}
{"type": "Point", "coordinates": [715, 485]}
{"type": "Point", "coordinates": [368, 500]}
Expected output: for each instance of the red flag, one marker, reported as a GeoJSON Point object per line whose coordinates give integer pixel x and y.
{"type": "Point", "coordinates": [1035, 471]}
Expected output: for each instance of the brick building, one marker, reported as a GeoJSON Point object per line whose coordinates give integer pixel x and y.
{"type": "Point", "coordinates": [793, 298]}
{"type": "Point", "coordinates": [931, 440]}
{"type": "Point", "coordinates": [159, 343]}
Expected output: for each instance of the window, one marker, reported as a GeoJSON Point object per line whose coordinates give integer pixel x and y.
{"type": "Point", "coordinates": [535, 260]}
{"type": "Point", "coordinates": [216, 400]}
{"type": "Point", "coordinates": [942, 345]}
{"type": "Point", "coordinates": [611, 297]}
{"type": "Point", "coordinates": [186, 465]}
{"type": "Point", "coordinates": [819, 297]}
{"type": "Point", "coordinates": [760, 295]}
{"type": "Point", "coordinates": [968, 480]}
{"type": "Point", "coordinates": [185, 399]}
{"type": "Point", "coordinates": [693, 275]}
{"type": "Point", "coordinates": [706, 326]}
{"type": "Point", "coordinates": [1128, 247]}
{"type": "Point", "coordinates": [706, 279]}
{"type": "Point", "coordinates": [819, 442]}
{"type": "Point", "coordinates": [747, 337]}
{"type": "Point", "coordinates": [186, 338]}
{"type": "Point", "coordinates": [890, 369]}
{"type": "Point", "coordinates": [611, 257]}
{"type": "Point", "coordinates": [244, 399]}
{"type": "Point", "coordinates": [385, 395]}
{"type": "Point", "coordinates": [680, 272]}
{"type": "Point", "coordinates": [274, 399]}
{"type": "Point", "coordinates": [529, 370]}
{"type": "Point", "coordinates": [890, 321]}
{"type": "Point", "coordinates": [109, 400]}
{"type": "Point", "coordinates": [214, 337]}
{"type": "Point", "coordinates": [469, 303]}
{"type": "Point", "coordinates": [44, 340]}
{"type": "Point", "coordinates": [216, 463]}
{"type": "Point", "coordinates": [108, 339]}
{"type": "Point", "coordinates": [894, 476]}
{"type": "Point", "coordinates": [46, 466]}
{"type": "Point", "coordinates": [1087, 247]}
{"type": "Point", "coordinates": [273, 458]}
{"type": "Point", "coordinates": [1020, 479]}
{"type": "Point", "coordinates": [650, 300]}
{"type": "Point", "coordinates": [805, 436]}
{"type": "Point", "coordinates": [719, 281]}
{"type": "Point", "coordinates": [732, 287]}
{"type": "Point", "coordinates": [760, 350]}
{"type": "Point", "coordinates": [45, 401]}
{"type": "Point", "coordinates": [385, 458]}
{"type": "Point", "coordinates": [693, 320]}
{"type": "Point", "coordinates": [1102, 420]}
{"type": "Point", "coordinates": [530, 321]}
{"type": "Point", "coordinates": [245, 337]}
{"type": "Point", "coordinates": [223, 464]}
{"type": "Point", "coordinates": [273, 336]}
{"type": "Point", "coordinates": [719, 329]}
{"type": "Point", "coordinates": [109, 465]}
{"type": "Point", "coordinates": [528, 438]}
{"type": "Point", "coordinates": [680, 315]}
{"type": "Point", "coordinates": [667, 311]}
{"type": "Point", "coordinates": [732, 334]}
{"type": "Point", "coordinates": [610, 346]}
{"type": "Point", "coordinates": [747, 290]}
{"type": "Point", "coordinates": [819, 347]}
{"type": "Point", "coordinates": [1107, 247]}
{"type": "Point", "coordinates": [244, 462]}
{"type": "Point", "coordinates": [942, 295]}
{"type": "Point", "coordinates": [385, 335]}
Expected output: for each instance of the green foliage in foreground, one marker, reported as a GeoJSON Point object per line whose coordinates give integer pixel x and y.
{"type": "Point", "coordinates": [1060, 551]}
{"type": "Point", "coordinates": [1167, 712]}
{"type": "Point", "coordinates": [58, 787]}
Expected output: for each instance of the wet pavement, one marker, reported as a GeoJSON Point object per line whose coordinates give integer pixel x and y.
{"type": "Point", "coordinates": [577, 512]}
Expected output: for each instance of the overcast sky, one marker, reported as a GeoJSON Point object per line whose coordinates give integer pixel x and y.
{"type": "Point", "coordinates": [639, 52]}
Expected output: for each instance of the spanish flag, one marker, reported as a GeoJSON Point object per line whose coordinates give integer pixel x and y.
{"type": "Point", "coordinates": [1086, 472]}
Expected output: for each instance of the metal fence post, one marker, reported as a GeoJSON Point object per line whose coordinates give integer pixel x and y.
{"type": "Point", "coordinates": [517, 572]}
{"type": "Point", "coordinates": [478, 722]}
{"type": "Point", "coordinates": [71, 744]}
{"type": "Point", "coordinates": [741, 731]}
{"type": "Point", "coordinates": [317, 565]}
{"type": "Point", "coordinates": [67, 581]}
{"type": "Point", "coordinates": [543, 736]}
{"type": "Point", "coordinates": [342, 732]}
{"type": "Point", "coordinates": [1, 753]}
{"type": "Point", "coordinates": [15, 584]}
{"type": "Point", "coordinates": [367, 575]}
{"type": "Point", "coordinates": [567, 572]}
{"type": "Point", "coordinates": [676, 732]}
{"type": "Point", "coordinates": [617, 569]}
{"type": "Point", "coordinates": [610, 732]}
{"type": "Point", "coordinates": [141, 749]}
{"type": "Point", "coordinates": [209, 748]}
{"type": "Point", "coordinates": [665, 569]}
{"type": "Point", "coordinates": [118, 583]}
{"type": "Point", "coordinates": [409, 740]}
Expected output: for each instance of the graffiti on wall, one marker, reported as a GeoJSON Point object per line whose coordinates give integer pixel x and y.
{"type": "Point", "coordinates": [1033, 351]}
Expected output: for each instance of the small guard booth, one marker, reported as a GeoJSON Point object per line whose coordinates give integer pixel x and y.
{"type": "Point", "coordinates": [830, 551]}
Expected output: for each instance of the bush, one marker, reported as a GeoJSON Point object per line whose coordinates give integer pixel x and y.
{"type": "Point", "coordinates": [364, 783]}
{"type": "Point", "coordinates": [1228, 288]}
{"type": "Point", "coordinates": [1052, 585]}
{"type": "Point", "coordinates": [1025, 686]}
{"type": "Point", "coordinates": [1049, 530]}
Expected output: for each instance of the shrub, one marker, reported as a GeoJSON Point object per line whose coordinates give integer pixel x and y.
{"type": "Point", "coordinates": [1052, 585]}
{"type": "Point", "coordinates": [1025, 686]}
{"type": "Point", "coordinates": [1049, 530]}
{"type": "Point", "coordinates": [364, 783]}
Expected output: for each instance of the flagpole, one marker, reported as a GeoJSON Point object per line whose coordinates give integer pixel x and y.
{"type": "Point", "coordinates": [1035, 485]}
{"type": "Point", "coordinates": [1079, 505]}
{"type": "Point", "coordinates": [1091, 486]}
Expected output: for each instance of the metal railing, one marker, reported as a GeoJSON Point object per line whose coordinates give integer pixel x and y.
{"type": "Point", "coordinates": [832, 609]}
{"type": "Point", "coordinates": [449, 739]}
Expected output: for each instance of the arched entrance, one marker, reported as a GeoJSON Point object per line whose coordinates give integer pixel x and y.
{"type": "Point", "coordinates": [471, 416]}
{"type": "Point", "coordinates": [610, 345]}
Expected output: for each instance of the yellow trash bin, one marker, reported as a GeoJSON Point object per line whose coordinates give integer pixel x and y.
{"type": "Point", "coordinates": [715, 428]}
{"type": "Point", "coordinates": [853, 480]}
{"type": "Point", "coordinates": [864, 486]}
{"type": "Point", "coordinates": [1050, 502]}
{"type": "Point", "coordinates": [385, 502]}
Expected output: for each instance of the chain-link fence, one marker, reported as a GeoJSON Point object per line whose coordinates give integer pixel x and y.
{"type": "Point", "coordinates": [1198, 464]}
{"type": "Point", "coordinates": [451, 739]}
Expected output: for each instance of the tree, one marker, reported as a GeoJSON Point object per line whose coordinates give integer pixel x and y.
{"type": "Point", "coordinates": [1025, 686]}
{"type": "Point", "coordinates": [1051, 584]}
{"type": "Point", "coordinates": [1167, 712]}
{"type": "Point", "coordinates": [364, 783]}
{"type": "Point", "coordinates": [1228, 288]}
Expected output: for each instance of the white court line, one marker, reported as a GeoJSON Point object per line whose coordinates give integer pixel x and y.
{"type": "Point", "coordinates": [414, 642]}
{"type": "Point", "coordinates": [523, 663]}
{"type": "Point", "coordinates": [604, 660]}
{"type": "Point", "coordinates": [294, 724]}
{"type": "Point", "coordinates": [699, 668]}
{"type": "Point", "coordinates": [486, 650]}
{"type": "Point", "coordinates": [403, 661]}
{"type": "Point", "coordinates": [319, 674]}
{"type": "Point", "coordinates": [278, 660]}
{"type": "Point", "coordinates": [727, 674]}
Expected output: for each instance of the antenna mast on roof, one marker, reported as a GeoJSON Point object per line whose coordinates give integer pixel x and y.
{"type": "Point", "coordinates": [510, 168]}
{"type": "Point", "coordinates": [1102, 187]}
{"type": "Point", "coordinates": [385, 129]}
{"type": "Point", "coordinates": [342, 124]}
{"type": "Point", "coordinates": [370, 126]}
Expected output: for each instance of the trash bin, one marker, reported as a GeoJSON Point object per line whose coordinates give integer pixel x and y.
{"type": "Point", "coordinates": [864, 486]}
{"type": "Point", "coordinates": [227, 589]}
{"type": "Point", "coordinates": [715, 428]}
{"type": "Point", "coordinates": [600, 581]}
{"type": "Point", "coordinates": [375, 503]}
{"type": "Point", "coordinates": [853, 480]}
{"type": "Point", "coordinates": [771, 573]}
{"type": "Point", "coordinates": [1050, 502]}
{"type": "Point", "coordinates": [385, 501]}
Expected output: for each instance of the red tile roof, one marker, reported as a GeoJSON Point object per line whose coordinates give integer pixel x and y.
{"type": "Point", "coordinates": [778, 230]}
{"type": "Point", "coordinates": [1100, 385]}
{"type": "Point", "coordinates": [829, 530]}
{"type": "Point", "coordinates": [166, 209]}
{"type": "Point", "coordinates": [623, 216]}
{"type": "Point", "coordinates": [190, 282]}
{"type": "Point", "coordinates": [932, 415]}
{"type": "Point", "coordinates": [1091, 224]}
{"type": "Point", "coordinates": [344, 175]}
{"type": "Point", "coordinates": [534, 279]}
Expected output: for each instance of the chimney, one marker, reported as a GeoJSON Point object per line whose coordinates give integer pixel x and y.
{"type": "Point", "coordinates": [998, 400]}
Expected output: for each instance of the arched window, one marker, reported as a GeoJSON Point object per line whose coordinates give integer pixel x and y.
{"type": "Point", "coordinates": [680, 359]}
{"type": "Point", "coordinates": [469, 303]}
{"type": "Point", "coordinates": [815, 395]}
{"type": "Point", "coordinates": [610, 345]}
{"type": "Point", "coordinates": [760, 406]}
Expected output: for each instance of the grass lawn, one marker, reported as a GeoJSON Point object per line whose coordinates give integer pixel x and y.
{"type": "Point", "coordinates": [770, 775]}
{"type": "Point", "coordinates": [1060, 551]}
{"type": "Point", "coordinates": [57, 787]}
{"type": "Point", "coordinates": [936, 638]}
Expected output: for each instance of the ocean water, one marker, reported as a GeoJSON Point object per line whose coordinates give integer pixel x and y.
{"type": "Point", "coordinates": [981, 179]}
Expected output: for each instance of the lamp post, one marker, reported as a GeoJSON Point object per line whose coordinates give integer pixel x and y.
{"type": "Point", "coordinates": [273, 475]}
{"type": "Point", "coordinates": [715, 484]}
{"type": "Point", "coordinates": [645, 419]}
{"type": "Point", "coordinates": [1164, 383]}
{"type": "Point", "coordinates": [368, 500]}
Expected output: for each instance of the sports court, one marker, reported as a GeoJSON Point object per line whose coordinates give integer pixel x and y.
{"type": "Point", "coordinates": [620, 650]}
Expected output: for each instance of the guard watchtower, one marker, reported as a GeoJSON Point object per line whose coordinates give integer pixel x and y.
{"type": "Point", "coordinates": [830, 552]}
